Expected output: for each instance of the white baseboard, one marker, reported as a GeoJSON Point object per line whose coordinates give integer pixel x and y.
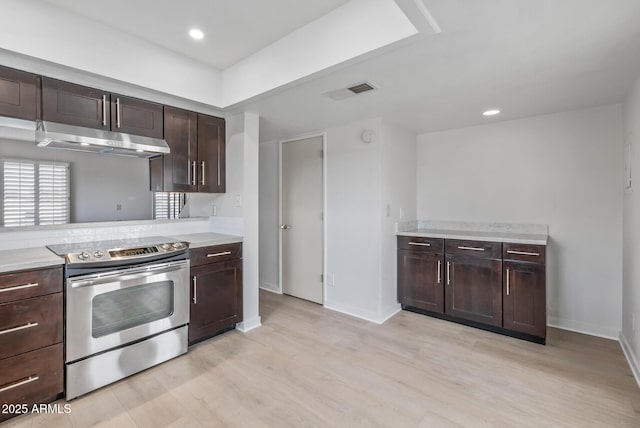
{"type": "Point", "coordinates": [249, 325]}
{"type": "Point", "coordinates": [589, 330]}
{"type": "Point", "coordinates": [374, 317]}
{"type": "Point", "coordinates": [272, 288]}
{"type": "Point", "coordinates": [390, 312]}
{"type": "Point", "coordinates": [632, 358]}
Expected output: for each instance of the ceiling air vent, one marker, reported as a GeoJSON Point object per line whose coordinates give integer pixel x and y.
{"type": "Point", "coordinates": [361, 87]}
{"type": "Point", "coordinates": [358, 88]}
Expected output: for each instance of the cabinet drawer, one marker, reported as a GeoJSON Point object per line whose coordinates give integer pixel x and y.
{"type": "Point", "coordinates": [524, 253]}
{"type": "Point", "coordinates": [480, 249]}
{"type": "Point", "coordinates": [27, 284]}
{"type": "Point", "coordinates": [216, 253]}
{"type": "Point", "coordinates": [34, 377]}
{"type": "Point", "coordinates": [418, 243]}
{"type": "Point", "coordinates": [30, 324]}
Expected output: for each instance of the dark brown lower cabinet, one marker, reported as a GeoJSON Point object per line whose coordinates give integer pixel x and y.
{"type": "Point", "coordinates": [216, 292]}
{"type": "Point", "coordinates": [31, 363]}
{"type": "Point", "coordinates": [525, 298]}
{"type": "Point", "coordinates": [491, 285]}
{"type": "Point", "coordinates": [420, 280]}
{"type": "Point", "coordinates": [474, 289]}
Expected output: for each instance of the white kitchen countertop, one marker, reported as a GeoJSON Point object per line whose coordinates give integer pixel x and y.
{"type": "Point", "coordinates": [509, 237]}
{"type": "Point", "coordinates": [199, 240]}
{"type": "Point", "coordinates": [28, 258]}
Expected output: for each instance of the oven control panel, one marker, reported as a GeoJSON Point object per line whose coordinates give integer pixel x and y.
{"type": "Point", "coordinates": [118, 254]}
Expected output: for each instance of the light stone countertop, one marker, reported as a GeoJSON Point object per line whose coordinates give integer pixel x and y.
{"type": "Point", "coordinates": [509, 237]}
{"type": "Point", "coordinates": [28, 258]}
{"type": "Point", "coordinates": [199, 240]}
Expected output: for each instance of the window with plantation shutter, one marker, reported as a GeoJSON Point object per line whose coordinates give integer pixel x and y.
{"type": "Point", "coordinates": [53, 193]}
{"type": "Point", "coordinates": [167, 205]}
{"type": "Point", "coordinates": [34, 192]}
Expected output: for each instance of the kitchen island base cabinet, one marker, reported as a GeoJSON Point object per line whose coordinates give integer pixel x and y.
{"type": "Point", "coordinates": [216, 291]}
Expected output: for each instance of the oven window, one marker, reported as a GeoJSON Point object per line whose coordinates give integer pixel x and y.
{"type": "Point", "coordinates": [131, 307]}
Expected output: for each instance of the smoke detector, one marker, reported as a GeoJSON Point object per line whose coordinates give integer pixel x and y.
{"type": "Point", "coordinates": [350, 91]}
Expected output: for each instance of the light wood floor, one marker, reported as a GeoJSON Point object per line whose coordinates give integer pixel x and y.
{"type": "Point", "coordinates": [308, 366]}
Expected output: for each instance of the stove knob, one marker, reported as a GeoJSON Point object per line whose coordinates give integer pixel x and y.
{"type": "Point", "coordinates": [177, 245]}
{"type": "Point", "coordinates": [98, 254]}
{"type": "Point", "coordinates": [165, 246]}
{"type": "Point", "coordinates": [83, 255]}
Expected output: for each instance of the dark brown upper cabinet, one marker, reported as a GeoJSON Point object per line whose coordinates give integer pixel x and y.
{"type": "Point", "coordinates": [18, 94]}
{"type": "Point", "coordinates": [72, 104]}
{"type": "Point", "coordinates": [211, 154]}
{"type": "Point", "coordinates": [178, 169]}
{"type": "Point", "coordinates": [197, 159]}
{"type": "Point", "coordinates": [134, 116]}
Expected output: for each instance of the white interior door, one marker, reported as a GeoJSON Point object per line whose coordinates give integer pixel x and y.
{"type": "Point", "coordinates": [302, 222]}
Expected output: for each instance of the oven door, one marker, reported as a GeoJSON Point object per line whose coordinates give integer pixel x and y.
{"type": "Point", "coordinates": [112, 309]}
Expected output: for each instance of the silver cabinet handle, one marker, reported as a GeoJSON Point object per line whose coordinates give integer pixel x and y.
{"type": "Point", "coordinates": [195, 290]}
{"type": "Point", "coordinates": [22, 327]}
{"type": "Point", "coordinates": [202, 164]}
{"type": "Point", "coordinates": [19, 287]}
{"type": "Point", "coordinates": [118, 112]}
{"type": "Point", "coordinates": [420, 244]}
{"type": "Point", "coordinates": [448, 273]}
{"type": "Point", "coordinates": [218, 172]}
{"type": "Point", "coordinates": [20, 383]}
{"type": "Point", "coordinates": [462, 247]}
{"type": "Point", "coordinates": [508, 288]}
{"type": "Point", "coordinates": [224, 253]}
{"type": "Point", "coordinates": [439, 277]}
{"type": "Point", "coordinates": [522, 253]}
{"type": "Point", "coordinates": [194, 172]}
{"type": "Point", "coordinates": [104, 110]}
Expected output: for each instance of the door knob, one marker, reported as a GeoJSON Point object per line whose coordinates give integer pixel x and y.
{"type": "Point", "coordinates": [285, 226]}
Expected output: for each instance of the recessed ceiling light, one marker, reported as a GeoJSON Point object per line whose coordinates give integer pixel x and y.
{"type": "Point", "coordinates": [196, 34]}
{"type": "Point", "coordinates": [491, 112]}
{"type": "Point", "coordinates": [84, 144]}
{"type": "Point", "coordinates": [139, 150]}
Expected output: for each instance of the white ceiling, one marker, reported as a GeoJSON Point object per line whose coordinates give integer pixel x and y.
{"type": "Point", "coordinates": [526, 57]}
{"type": "Point", "coordinates": [234, 29]}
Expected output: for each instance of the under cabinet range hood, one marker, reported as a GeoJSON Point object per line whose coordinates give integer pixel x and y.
{"type": "Point", "coordinates": [69, 137]}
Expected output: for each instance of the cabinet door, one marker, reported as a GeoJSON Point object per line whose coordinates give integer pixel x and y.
{"type": "Point", "coordinates": [525, 298]}
{"type": "Point", "coordinates": [137, 117]}
{"type": "Point", "coordinates": [179, 167]}
{"type": "Point", "coordinates": [474, 289]}
{"type": "Point", "coordinates": [71, 104]}
{"type": "Point", "coordinates": [211, 154]}
{"type": "Point", "coordinates": [18, 94]}
{"type": "Point", "coordinates": [216, 298]}
{"type": "Point", "coordinates": [420, 280]}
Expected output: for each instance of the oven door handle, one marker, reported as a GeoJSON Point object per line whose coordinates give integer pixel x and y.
{"type": "Point", "coordinates": [126, 275]}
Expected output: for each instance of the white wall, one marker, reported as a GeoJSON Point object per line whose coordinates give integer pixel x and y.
{"type": "Point", "coordinates": [361, 180]}
{"type": "Point", "coordinates": [561, 169]}
{"type": "Point", "coordinates": [98, 182]}
{"type": "Point", "coordinates": [630, 336]}
{"type": "Point", "coordinates": [353, 219]}
{"type": "Point", "coordinates": [269, 216]}
{"type": "Point", "coordinates": [398, 187]}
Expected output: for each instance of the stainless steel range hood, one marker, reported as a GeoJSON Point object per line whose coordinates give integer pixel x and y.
{"type": "Point", "coordinates": [68, 137]}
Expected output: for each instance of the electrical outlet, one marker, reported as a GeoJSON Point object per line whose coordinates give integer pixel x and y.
{"type": "Point", "coordinates": [214, 210]}
{"type": "Point", "coordinates": [237, 200]}
{"type": "Point", "coordinates": [633, 322]}
{"type": "Point", "coordinates": [401, 215]}
{"type": "Point", "coordinates": [118, 207]}
{"type": "Point", "coordinates": [333, 279]}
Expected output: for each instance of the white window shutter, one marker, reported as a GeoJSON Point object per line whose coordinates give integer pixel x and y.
{"type": "Point", "coordinates": [53, 193]}
{"type": "Point", "coordinates": [19, 193]}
